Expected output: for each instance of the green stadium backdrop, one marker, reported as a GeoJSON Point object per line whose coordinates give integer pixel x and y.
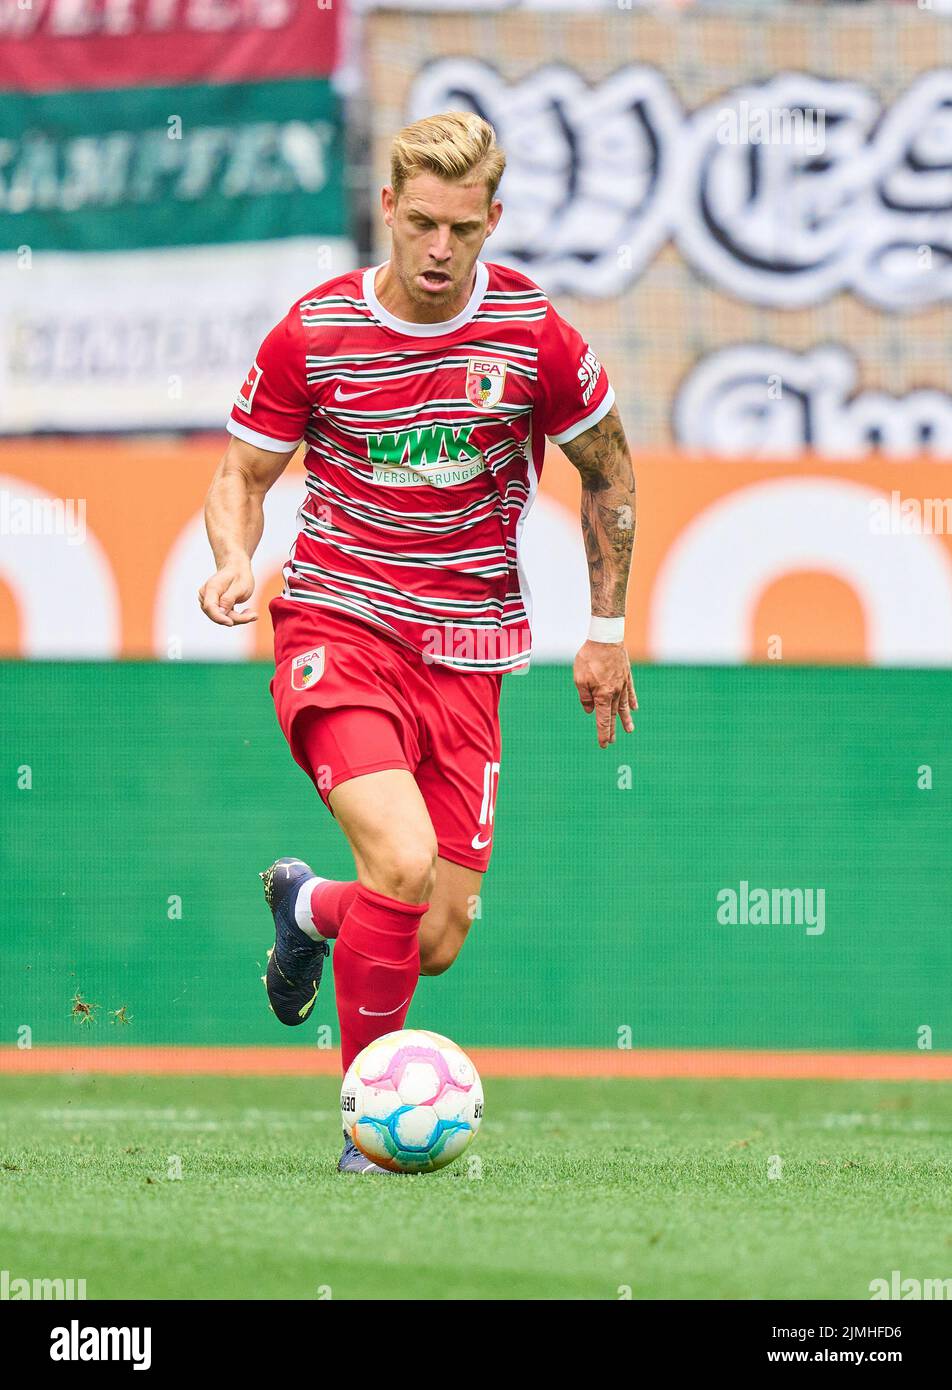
{"type": "Point", "coordinates": [129, 865]}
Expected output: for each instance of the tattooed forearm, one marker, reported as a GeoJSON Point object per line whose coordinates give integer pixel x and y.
{"type": "Point", "coordinates": [608, 510]}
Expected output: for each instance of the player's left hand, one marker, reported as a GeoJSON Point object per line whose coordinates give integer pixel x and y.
{"type": "Point", "coordinates": [602, 676]}
{"type": "Point", "coordinates": [233, 582]}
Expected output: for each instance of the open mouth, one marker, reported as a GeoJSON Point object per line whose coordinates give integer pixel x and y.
{"type": "Point", "coordinates": [435, 279]}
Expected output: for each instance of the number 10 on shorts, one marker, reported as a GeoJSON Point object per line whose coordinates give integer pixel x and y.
{"type": "Point", "coordinates": [488, 808]}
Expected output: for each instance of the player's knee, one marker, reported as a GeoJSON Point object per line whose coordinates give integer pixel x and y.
{"type": "Point", "coordinates": [442, 934]}
{"type": "Point", "coordinates": [438, 951]}
{"type": "Point", "coordinates": [408, 872]}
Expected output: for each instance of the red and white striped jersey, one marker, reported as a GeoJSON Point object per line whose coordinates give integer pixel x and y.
{"type": "Point", "coordinates": [425, 446]}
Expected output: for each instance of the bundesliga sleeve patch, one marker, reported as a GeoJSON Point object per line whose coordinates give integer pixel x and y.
{"type": "Point", "coordinates": [307, 670]}
{"type": "Point", "coordinates": [246, 395]}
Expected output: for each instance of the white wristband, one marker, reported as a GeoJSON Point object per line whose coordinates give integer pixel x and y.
{"type": "Point", "coordinates": [606, 629]}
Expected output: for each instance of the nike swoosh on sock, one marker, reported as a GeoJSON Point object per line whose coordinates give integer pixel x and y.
{"type": "Point", "coordinates": [382, 1013]}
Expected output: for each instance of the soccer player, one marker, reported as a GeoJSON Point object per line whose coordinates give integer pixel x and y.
{"type": "Point", "coordinates": [424, 389]}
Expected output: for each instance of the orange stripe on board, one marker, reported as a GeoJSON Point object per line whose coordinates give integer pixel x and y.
{"type": "Point", "coordinates": [492, 1061]}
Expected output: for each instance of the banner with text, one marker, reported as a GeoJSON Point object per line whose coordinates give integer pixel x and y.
{"type": "Point", "coordinates": [158, 222]}
{"type": "Point", "coordinates": [51, 45]}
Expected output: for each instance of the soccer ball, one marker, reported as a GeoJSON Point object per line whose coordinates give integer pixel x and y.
{"type": "Point", "coordinates": [412, 1101]}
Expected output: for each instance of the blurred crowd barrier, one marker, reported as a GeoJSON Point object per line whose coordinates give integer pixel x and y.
{"type": "Point", "coordinates": [747, 209]}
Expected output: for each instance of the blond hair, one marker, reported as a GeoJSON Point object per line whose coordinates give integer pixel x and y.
{"type": "Point", "coordinates": [452, 145]}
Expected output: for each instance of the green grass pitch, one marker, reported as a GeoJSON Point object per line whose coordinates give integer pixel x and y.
{"type": "Point", "coordinates": [573, 1190]}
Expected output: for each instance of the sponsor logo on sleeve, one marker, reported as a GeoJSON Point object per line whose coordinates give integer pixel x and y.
{"type": "Point", "coordinates": [590, 369]}
{"type": "Point", "coordinates": [246, 395]}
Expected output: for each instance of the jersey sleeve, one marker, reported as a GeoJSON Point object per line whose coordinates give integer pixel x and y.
{"type": "Point", "coordinates": [573, 389]}
{"type": "Point", "coordinates": [273, 406]}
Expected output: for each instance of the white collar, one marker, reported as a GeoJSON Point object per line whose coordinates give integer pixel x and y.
{"type": "Point", "coordinates": [425, 330]}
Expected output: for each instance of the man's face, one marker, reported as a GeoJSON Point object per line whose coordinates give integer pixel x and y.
{"type": "Point", "coordinates": [438, 229]}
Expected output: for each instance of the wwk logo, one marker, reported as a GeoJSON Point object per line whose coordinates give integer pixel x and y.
{"type": "Point", "coordinates": [426, 447]}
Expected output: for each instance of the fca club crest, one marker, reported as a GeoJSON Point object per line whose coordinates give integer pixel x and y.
{"type": "Point", "coordinates": [306, 670]}
{"type": "Point", "coordinates": [485, 379]}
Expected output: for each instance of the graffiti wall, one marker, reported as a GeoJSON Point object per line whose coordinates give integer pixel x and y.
{"type": "Point", "coordinates": [756, 232]}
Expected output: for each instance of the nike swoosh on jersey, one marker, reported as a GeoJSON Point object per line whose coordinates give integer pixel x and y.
{"type": "Point", "coordinates": [340, 395]}
{"type": "Point", "coordinates": [382, 1013]}
{"type": "Point", "coordinates": [479, 843]}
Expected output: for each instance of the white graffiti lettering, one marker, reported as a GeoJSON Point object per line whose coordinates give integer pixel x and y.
{"type": "Point", "coordinates": [783, 193]}
{"type": "Point", "coordinates": [761, 400]}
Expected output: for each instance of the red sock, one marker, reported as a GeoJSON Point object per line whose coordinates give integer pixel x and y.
{"type": "Point", "coordinates": [376, 967]}
{"type": "Point", "coordinates": [330, 903]}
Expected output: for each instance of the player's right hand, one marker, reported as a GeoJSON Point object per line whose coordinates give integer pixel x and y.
{"type": "Point", "coordinates": [232, 583]}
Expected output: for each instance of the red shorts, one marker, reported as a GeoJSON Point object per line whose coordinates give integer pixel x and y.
{"type": "Point", "coordinates": [441, 725]}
